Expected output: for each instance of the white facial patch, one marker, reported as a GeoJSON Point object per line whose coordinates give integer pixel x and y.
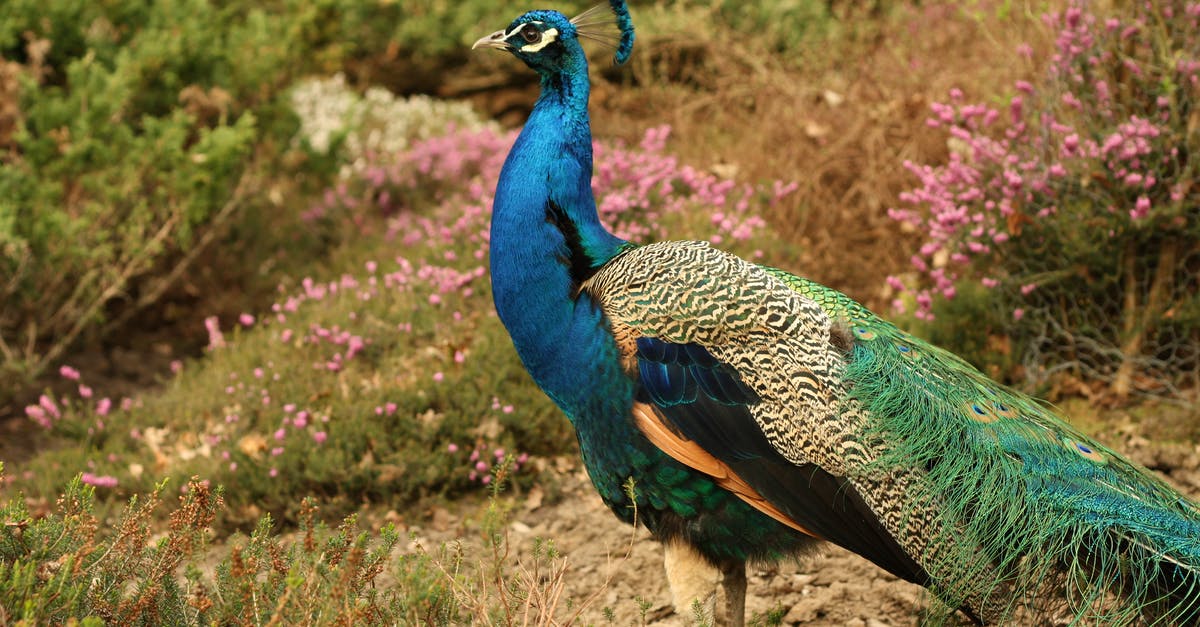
{"type": "Point", "coordinates": [518, 28]}
{"type": "Point", "coordinates": [548, 37]}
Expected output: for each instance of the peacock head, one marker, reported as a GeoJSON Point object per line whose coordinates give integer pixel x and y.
{"type": "Point", "coordinates": [539, 38]}
{"type": "Point", "coordinates": [545, 40]}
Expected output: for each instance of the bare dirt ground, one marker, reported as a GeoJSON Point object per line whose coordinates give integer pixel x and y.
{"type": "Point", "coordinates": [615, 566]}
{"type": "Point", "coordinates": [612, 566]}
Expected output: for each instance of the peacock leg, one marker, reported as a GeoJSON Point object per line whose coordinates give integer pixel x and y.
{"type": "Point", "coordinates": [734, 582]}
{"type": "Point", "coordinates": [693, 581]}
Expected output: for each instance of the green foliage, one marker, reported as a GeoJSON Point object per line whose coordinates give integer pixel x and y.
{"type": "Point", "coordinates": [325, 577]}
{"type": "Point", "coordinates": [68, 566]}
{"type": "Point", "coordinates": [782, 26]}
{"type": "Point", "coordinates": [61, 567]}
{"type": "Point", "coordinates": [133, 134]}
{"type": "Point", "coordinates": [430, 27]}
{"type": "Point", "coordinates": [133, 125]}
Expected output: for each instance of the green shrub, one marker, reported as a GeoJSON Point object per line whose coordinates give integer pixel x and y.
{"type": "Point", "coordinates": [132, 134]}
{"type": "Point", "coordinates": [137, 129]}
{"type": "Point", "coordinates": [64, 566]}
{"type": "Point", "coordinates": [68, 565]}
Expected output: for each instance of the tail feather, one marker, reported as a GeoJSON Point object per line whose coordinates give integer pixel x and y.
{"type": "Point", "coordinates": [1069, 527]}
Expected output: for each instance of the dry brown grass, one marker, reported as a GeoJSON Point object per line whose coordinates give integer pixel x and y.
{"type": "Point", "coordinates": [840, 121]}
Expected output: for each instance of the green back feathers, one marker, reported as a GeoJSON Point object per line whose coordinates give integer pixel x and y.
{"type": "Point", "coordinates": [1058, 515]}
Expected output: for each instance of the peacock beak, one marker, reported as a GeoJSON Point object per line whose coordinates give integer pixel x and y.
{"type": "Point", "coordinates": [495, 40]}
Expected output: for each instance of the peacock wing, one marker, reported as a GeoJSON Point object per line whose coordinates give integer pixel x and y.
{"type": "Point", "coordinates": [738, 378]}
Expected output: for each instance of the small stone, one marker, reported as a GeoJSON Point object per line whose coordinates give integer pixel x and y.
{"type": "Point", "coordinates": [805, 611]}
{"type": "Point", "coordinates": [800, 580]}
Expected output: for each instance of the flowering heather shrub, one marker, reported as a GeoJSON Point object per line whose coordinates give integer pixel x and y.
{"type": "Point", "coordinates": [642, 194]}
{"type": "Point", "coordinates": [380, 381]}
{"type": "Point", "coordinates": [1076, 207]}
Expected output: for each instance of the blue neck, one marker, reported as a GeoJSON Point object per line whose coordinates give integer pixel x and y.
{"type": "Point", "coordinates": [546, 237]}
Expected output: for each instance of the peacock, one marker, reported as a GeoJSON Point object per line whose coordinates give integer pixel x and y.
{"type": "Point", "coordinates": [741, 412]}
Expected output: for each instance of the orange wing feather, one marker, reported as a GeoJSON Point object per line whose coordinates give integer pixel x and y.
{"type": "Point", "coordinates": [691, 455]}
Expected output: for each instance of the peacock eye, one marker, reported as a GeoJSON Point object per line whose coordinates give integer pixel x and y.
{"type": "Point", "coordinates": [530, 34]}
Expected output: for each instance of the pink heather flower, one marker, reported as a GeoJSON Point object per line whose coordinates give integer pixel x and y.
{"type": "Point", "coordinates": [1070, 144]}
{"type": "Point", "coordinates": [522, 458]}
{"type": "Point", "coordinates": [68, 372]}
{"type": "Point", "coordinates": [246, 319]}
{"type": "Point", "coordinates": [277, 451]}
{"type": "Point", "coordinates": [452, 447]}
{"type": "Point", "coordinates": [103, 406]}
{"type": "Point", "coordinates": [1141, 209]}
{"type": "Point", "coordinates": [176, 366]}
{"type": "Point", "coordinates": [38, 415]}
{"type": "Point", "coordinates": [285, 336]}
{"type": "Point", "coordinates": [459, 357]}
{"type": "Point", "coordinates": [390, 408]}
{"type": "Point", "coordinates": [319, 437]}
{"type": "Point", "coordinates": [486, 479]}
{"type": "Point", "coordinates": [508, 409]}
{"type": "Point", "coordinates": [85, 391]}
{"type": "Point", "coordinates": [274, 472]}
{"type": "Point", "coordinates": [100, 481]}
{"type": "Point", "coordinates": [289, 408]}
{"type": "Point", "coordinates": [481, 466]}
{"type": "Point", "coordinates": [49, 405]}
{"type": "Point", "coordinates": [280, 433]}
{"type": "Point", "coordinates": [434, 299]}
{"type": "Point", "coordinates": [215, 339]}
{"type": "Point", "coordinates": [1018, 313]}
{"type": "Point", "coordinates": [301, 420]}
{"type": "Point", "coordinates": [438, 376]}
{"type": "Point", "coordinates": [499, 453]}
